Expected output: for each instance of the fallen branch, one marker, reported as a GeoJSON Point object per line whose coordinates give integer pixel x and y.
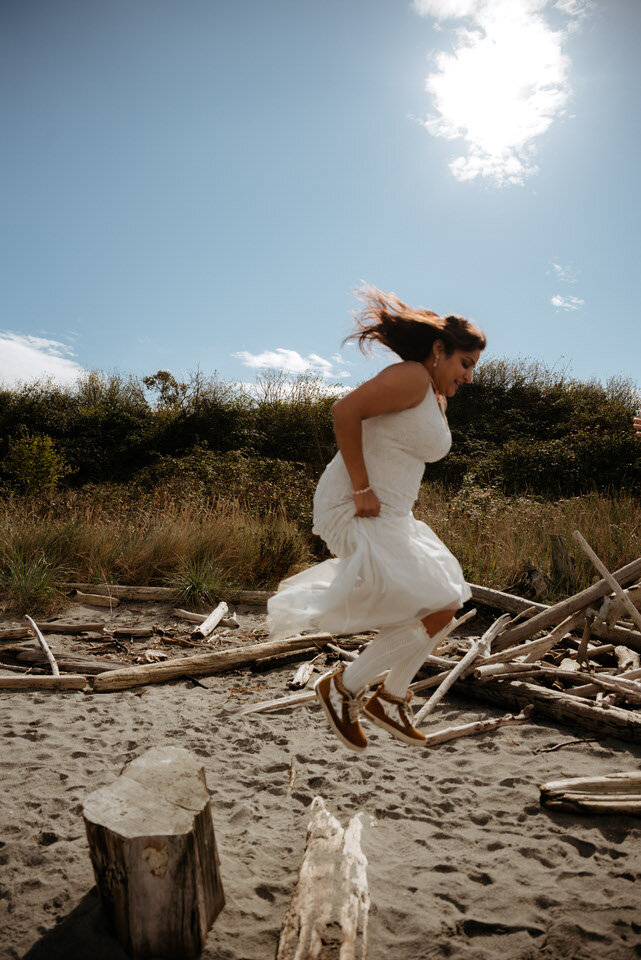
{"type": "Point", "coordinates": [45, 646]}
{"type": "Point", "coordinates": [211, 622]}
{"type": "Point", "coordinates": [476, 727]}
{"type": "Point", "coordinates": [205, 664]}
{"type": "Point", "coordinates": [95, 599]}
{"type": "Point", "coordinates": [32, 682]}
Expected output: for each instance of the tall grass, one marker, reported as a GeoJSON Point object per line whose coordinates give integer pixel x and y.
{"type": "Point", "coordinates": [203, 545]}
{"type": "Point", "coordinates": [491, 534]}
{"type": "Point", "coordinates": [199, 546]}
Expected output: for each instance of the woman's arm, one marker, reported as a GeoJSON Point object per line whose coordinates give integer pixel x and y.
{"type": "Point", "coordinates": [398, 387]}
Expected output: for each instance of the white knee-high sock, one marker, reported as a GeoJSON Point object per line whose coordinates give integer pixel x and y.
{"type": "Point", "coordinates": [391, 644]}
{"type": "Point", "coordinates": [402, 672]}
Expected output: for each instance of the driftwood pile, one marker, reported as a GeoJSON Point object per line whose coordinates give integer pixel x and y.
{"type": "Point", "coordinates": [577, 661]}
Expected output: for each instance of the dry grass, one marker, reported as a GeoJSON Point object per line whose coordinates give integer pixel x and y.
{"type": "Point", "coordinates": [492, 534]}
{"type": "Point", "coordinates": [119, 535]}
{"type": "Point", "coordinates": [200, 547]}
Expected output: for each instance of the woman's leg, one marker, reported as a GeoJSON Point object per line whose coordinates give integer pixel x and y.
{"type": "Point", "coordinates": [412, 659]}
{"type": "Point", "coordinates": [399, 648]}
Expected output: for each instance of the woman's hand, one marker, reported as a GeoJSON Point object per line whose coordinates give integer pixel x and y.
{"type": "Point", "coordinates": [367, 504]}
{"type": "Point", "coordinates": [636, 423]}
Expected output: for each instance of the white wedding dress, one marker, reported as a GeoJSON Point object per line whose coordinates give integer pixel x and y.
{"type": "Point", "coordinates": [390, 569]}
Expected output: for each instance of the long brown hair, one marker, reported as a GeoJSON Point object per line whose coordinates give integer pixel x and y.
{"type": "Point", "coordinates": [408, 331]}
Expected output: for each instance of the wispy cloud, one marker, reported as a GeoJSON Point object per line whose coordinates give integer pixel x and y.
{"type": "Point", "coordinates": [503, 85]}
{"type": "Point", "coordinates": [566, 303]}
{"type": "Point", "coordinates": [291, 362]}
{"type": "Point", "coordinates": [24, 358]}
{"type": "Point", "coordinates": [563, 273]}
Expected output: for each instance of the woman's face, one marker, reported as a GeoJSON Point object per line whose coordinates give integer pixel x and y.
{"type": "Point", "coordinates": [449, 372]}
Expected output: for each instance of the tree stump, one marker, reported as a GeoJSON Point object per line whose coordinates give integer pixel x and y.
{"type": "Point", "coordinates": [327, 916]}
{"type": "Point", "coordinates": [153, 850]}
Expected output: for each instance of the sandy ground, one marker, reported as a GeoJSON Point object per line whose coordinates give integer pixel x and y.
{"type": "Point", "coordinates": [463, 862]}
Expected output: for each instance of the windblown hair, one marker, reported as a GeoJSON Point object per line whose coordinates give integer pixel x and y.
{"type": "Point", "coordinates": [407, 331]}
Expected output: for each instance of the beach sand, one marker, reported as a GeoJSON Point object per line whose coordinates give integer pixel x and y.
{"type": "Point", "coordinates": [463, 861]}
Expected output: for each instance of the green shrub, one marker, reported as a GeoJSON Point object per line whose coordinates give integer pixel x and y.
{"type": "Point", "coordinates": [34, 465]}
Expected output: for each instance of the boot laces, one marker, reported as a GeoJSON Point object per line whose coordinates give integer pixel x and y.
{"type": "Point", "coordinates": [406, 710]}
{"type": "Point", "coordinates": [354, 708]}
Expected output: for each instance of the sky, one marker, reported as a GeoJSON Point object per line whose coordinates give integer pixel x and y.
{"type": "Point", "coordinates": [204, 183]}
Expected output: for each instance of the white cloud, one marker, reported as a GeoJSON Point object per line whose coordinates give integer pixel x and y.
{"type": "Point", "coordinates": [563, 273]}
{"type": "Point", "coordinates": [24, 358]}
{"type": "Point", "coordinates": [291, 362]}
{"type": "Point", "coordinates": [566, 303]}
{"type": "Point", "coordinates": [504, 84]}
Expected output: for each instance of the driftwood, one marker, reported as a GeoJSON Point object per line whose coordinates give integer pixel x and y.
{"type": "Point", "coordinates": [612, 582]}
{"type": "Point", "coordinates": [303, 675]}
{"type": "Point", "coordinates": [153, 851]}
{"type": "Point", "coordinates": [329, 909]}
{"type": "Point", "coordinates": [27, 653]}
{"type": "Point", "coordinates": [45, 646]}
{"type": "Point", "coordinates": [627, 659]}
{"type": "Point", "coordinates": [559, 611]}
{"type": "Point", "coordinates": [257, 598]}
{"type": "Point", "coordinates": [614, 794]}
{"type": "Point", "coordinates": [71, 628]}
{"type": "Point", "coordinates": [621, 685]}
{"type": "Point", "coordinates": [478, 647]}
{"type": "Point", "coordinates": [95, 599]}
{"type": "Point", "coordinates": [559, 706]}
{"type": "Point", "coordinates": [32, 682]}
{"type": "Point", "coordinates": [211, 622]}
{"type": "Point", "coordinates": [478, 726]}
{"type": "Point", "coordinates": [205, 664]}
{"type": "Point", "coordinates": [132, 633]}
{"type": "Point", "coordinates": [14, 633]}
{"type": "Point", "coordinates": [613, 608]}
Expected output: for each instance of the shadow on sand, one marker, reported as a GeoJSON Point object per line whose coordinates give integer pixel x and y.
{"type": "Point", "coordinates": [82, 935]}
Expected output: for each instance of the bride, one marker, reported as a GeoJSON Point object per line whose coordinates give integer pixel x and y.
{"type": "Point", "coordinates": [391, 572]}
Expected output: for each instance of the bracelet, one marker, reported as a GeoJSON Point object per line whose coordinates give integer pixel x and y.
{"type": "Point", "coordinates": [364, 490]}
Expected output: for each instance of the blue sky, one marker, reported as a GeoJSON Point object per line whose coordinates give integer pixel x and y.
{"type": "Point", "coordinates": [203, 182]}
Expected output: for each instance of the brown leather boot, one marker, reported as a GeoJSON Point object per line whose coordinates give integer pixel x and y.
{"type": "Point", "coordinates": [341, 709]}
{"type": "Point", "coordinates": [393, 714]}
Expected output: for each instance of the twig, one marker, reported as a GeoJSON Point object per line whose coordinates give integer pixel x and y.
{"type": "Point", "coordinates": [45, 646]}
{"type": "Point", "coordinates": [566, 743]}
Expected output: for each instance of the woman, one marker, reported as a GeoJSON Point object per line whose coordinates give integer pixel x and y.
{"type": "Point", "coordinates": [392, 572]}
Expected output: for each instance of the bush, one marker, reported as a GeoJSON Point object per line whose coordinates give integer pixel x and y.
{"type": "Point", "coordinates": [34, 465]}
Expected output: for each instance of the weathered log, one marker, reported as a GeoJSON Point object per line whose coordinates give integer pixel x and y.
{"type": "Point", "coordinates": [559, 611]}
{"type": "Point", "coordinates": [627, 659]}
{"type": "Point", "coordinates": [189, 615]}
{"type": "Point", "coordinates": [631, 638]}
{"type": "Point", "coordinates": [590, 689]}
{"type": "Point", "coordinates": [153, 850]}
{"type": "Point", "coordinates": [95, 599]}
{"type": "Point", "coordinates": [280, 703]}
{"type": "Point", "coordinates": [500, 600]}
{"type": "Point", "coordinates": [26, 653]}
{"type": "Point", "coordinates": [32, 682]}
{"type": "Point", "coordinates": [624, 687]}
{"type": "Point", "coordinates": [12, 668]}
{"type": "Point", "coordinates": [476, 727]}
{"type": "Point", "coordinates": [561, 707]}
{"type": "Point", "coordinates": [14, 633]}
{"type": "Point", "coordinates": [204, 664]}
{"type": "Point", "coordinates": [71, 628]}
{"type": "Point", "coordinates": [329, 909]}
{"type": "Point", "coordinates": [611, 784]}
{"type": "Point", "coordinates": [614, 608]}
{"type": "Point", "coordinates": [45, 646]}
{"type": "Point", "coordinates": [510, 669]}
{"type": "Point", "coordinates": [603, 805]}
{"type": "Point", "coordinates": [257, 598]}
{"type": "Point", "coordinates": [209, 625]}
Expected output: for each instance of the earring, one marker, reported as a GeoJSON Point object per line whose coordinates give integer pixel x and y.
{"type": "Point", "coordinates": [435, 362]}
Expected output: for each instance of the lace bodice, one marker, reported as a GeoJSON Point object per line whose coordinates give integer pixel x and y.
{"type": "Point", "coordinates": [396, 447]}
